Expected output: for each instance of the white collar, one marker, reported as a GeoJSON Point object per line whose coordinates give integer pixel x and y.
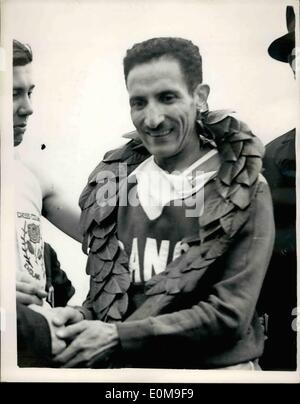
{"type": "Point", "coordinates": [156, 188]}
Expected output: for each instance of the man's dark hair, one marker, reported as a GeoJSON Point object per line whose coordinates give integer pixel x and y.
{"type": "Point", "coordinates": [182, 50]}
{"type": "Point", "coordinates": [22, 54]}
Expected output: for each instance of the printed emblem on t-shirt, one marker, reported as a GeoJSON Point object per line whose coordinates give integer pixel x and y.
{"type": "Point", "coordinates": [31, 246]}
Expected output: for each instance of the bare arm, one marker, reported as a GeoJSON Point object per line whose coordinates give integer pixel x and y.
{"type": "Point", "coordinates": [62, 213]}
{"type": "Point", "coordinates": [60, 203]}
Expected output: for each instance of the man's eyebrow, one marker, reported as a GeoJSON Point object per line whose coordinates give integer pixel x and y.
{"type": "Point", "coordinates": [136, 98]}
{"type": "Point", "coordinates": [16, 88]}
{"type": "Point", "coordinates": [165, 92]}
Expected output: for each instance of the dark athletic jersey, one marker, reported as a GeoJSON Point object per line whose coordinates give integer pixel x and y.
{"type": "Point", "coordinates": [166, 210]}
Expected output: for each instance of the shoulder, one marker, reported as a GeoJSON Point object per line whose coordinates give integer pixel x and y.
{"type": "Point", "coordinates": [131, 154]}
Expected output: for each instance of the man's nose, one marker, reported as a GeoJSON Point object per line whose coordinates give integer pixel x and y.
{"type": "Point", "coordinates": [154, 117]}
{"type": "Point", "coordinates": [26, 107]}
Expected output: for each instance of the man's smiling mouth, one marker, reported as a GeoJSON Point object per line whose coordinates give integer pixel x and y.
{"type": "Point", "coordinates": [161, 133]}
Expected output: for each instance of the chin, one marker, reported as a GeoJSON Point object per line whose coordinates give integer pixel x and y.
{"type": "Point", "coordinates": [18, 140]}
{"type": "Point", "coordinates": [163, 153]}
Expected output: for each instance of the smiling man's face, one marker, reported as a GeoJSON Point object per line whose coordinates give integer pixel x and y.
{"type": "Point", "coordinates": [162, 108]}
{"type": "Point", "coordinates": [22, 108]}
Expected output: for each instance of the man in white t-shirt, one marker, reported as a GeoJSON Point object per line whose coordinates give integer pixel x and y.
{"type": "Point", "coordinates": [35, 195]}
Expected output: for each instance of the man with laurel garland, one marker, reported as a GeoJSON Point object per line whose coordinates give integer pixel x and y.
{"type": "Point", "coordinates": [178, 227]}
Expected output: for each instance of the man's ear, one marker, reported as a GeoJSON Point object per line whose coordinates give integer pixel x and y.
{"type": "Point", "coordinates": [202, 93]}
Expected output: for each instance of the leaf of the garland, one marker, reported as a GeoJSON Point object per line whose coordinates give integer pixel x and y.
{"type": "Point", "coordinates": [208, 231]}
{"type": "Point", "coordinates": [235, 125]}
{"type": "Point", "coordinates": [239, 220]}
{"type": "Point", "coordinates": [123, 281]}
{"type": "Point", "coordinates": [85, 244]}
{"type": "Point", "coordinates": [122, 257]}
{"type": "Point", "coordinates": [201, 263]}
{"type": "Point", "coordinates": [84, 195]}
{"type": "Point", "coordinates": [112, 286]}
{"type": "Point", "coordinates": [122, 302]}
{"type": "Point", "coordinates": [136, 159]}
{"type": "Point", "coordinates": [241, 198]}
{"type": "Point", "coordinates": [108, 252]}
{"type": "Point", "coordinates": [103, 212]}
{"type": "Point", "coordinates": [97, 243]}
{"type": "Point", "coordinates": [213, 117]}
{"type": "Point", "coordinates": [191, 280]}
{"type": "Point", "coordinates": [133, 135]}
{"type": "Point", "coordinates": [103, 230]}
{"type": "Point", "coordinates": [93, 176]}
{"type": "Point", "coordinates": [91, 198]}
{"type": "Point", "coordinates": [94, 264]}
{"type": "Point", "coordinates": [241, 136]}
{"type": "Point", "coordinates": [191, 239]}
{"type": "Point", "coordinates": [228, 153]}
{"type": "Point", "coordinates": [225, 172]}
{"type": "Point", "coordinates": [226, 124]}
{"type": "Point", "coordinates": [114, 311]}
{"type": "Point", "coordinates": [226, 222]}
{"type": "Point", "coordinates": [244, 127]}
{"type": "Point", "coordinates": [254, 166]}
{"type": "Point", "coordinates": [119, 269]}
{"type": "Point", "coordinates": [237, 148]}
{"type": "Point", "coordinates": [95, 289]}
{"type": "Point", "coordinates": [103, 301]}
{"type": "Point", "coordinates": [104, 272]}
{"type": "Point", "coordinates": [114, 155]}
{"type": "Point", "coordinates": [253, 148]}
{"type": "Point", "coordinates": [243, 178]}
{"type": "Point", "coordinates": [217, 248]}
{"type": "Point", "coordinates": [238, 166]}
{"type": "Point", "coordinates": [214, 209]}
{"type": "Point", "coordinates": [86, 219]}
{"type": "Point", "coordinates": [222, 189]}
{"type": "Point", "coordinates": [172, 286]}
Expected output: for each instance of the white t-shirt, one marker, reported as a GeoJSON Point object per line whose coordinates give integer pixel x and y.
{"type": "Point", "coordinates": [28, 207]}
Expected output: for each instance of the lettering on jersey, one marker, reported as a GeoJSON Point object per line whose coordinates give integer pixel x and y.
{"type": "Point", "coordinates": [134, 262]}
{"type": "Point", "coordinates": [154, 259]}
{"type": "Point", "coordinates": [28, 216]}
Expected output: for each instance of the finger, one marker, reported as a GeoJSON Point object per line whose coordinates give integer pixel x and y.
{"type": "Point", "coordinates": [75, 361]}
{"type": "Point", "coordinates": [71, 331]}
{"type": "Point", "coordinates": [58, 346]}
{"type": "Point", "coordinates": [30, 289]}
{"type": "Point", "coordinates": [41, 293]}
{"type": "Point", "coordinates": [72, 350]}
{"type": "Point", "coordinates": [24, 277]}
{"type": "Point", "coordinates": [26, 299]}
{"type": "Point", "coordinates": [66, 315]}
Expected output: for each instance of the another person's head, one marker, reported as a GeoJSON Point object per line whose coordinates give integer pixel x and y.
{"type": "Point", "coordinates": [283, 48]}
{"type": "Point", "coordinates": [22, 89]}
{"type": "Point", "coordinates": [164, 81]}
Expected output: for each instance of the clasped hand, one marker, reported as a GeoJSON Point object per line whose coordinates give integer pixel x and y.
{"type": "Point", "coordinates": [83, 339]}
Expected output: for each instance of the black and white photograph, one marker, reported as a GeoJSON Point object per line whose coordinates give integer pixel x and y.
{"type": "Point", "coordinates": [148, 191]}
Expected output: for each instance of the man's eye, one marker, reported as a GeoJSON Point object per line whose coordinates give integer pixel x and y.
{"type": "Point", "coordinates": [137, 104]}
{"type": "Point", "coordinates": [168, 98]}
{"type": "Point", "coordinates": [30, 94]}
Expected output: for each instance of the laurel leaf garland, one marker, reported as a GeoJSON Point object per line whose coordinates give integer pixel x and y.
{"type": "Point", "coordinates": [226, 210]}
